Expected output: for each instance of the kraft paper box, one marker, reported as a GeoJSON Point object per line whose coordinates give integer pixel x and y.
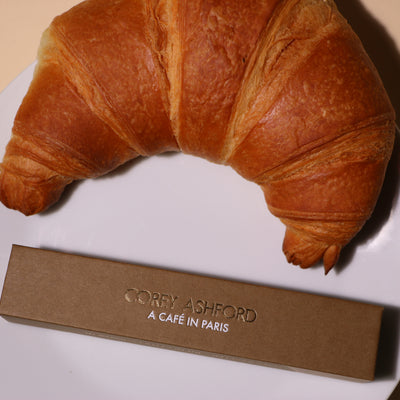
{"type": "Point", "coordinates": [205, 315]}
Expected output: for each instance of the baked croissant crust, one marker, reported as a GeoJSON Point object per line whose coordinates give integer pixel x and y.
{"type": "Point", "coordinates": [280, 90]}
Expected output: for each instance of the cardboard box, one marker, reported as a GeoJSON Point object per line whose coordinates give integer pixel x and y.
{"type": "Point", "coordinates": [194, 313]}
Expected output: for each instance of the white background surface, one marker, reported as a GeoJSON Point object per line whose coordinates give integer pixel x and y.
{"type": "Point", "coordinates": [184, 213]}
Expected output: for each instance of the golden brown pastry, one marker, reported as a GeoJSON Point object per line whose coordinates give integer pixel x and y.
{"type": "Point", "coordinates": [280, 90]}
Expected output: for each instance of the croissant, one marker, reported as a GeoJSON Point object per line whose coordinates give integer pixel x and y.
{"type": "Point", "coordinates": [280, 90]}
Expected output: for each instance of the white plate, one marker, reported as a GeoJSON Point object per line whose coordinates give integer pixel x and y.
{"type": "Point", "coordinates": [184, 213]}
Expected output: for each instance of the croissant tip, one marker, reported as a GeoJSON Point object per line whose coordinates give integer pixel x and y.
{"type": "Point", "coordinates": [331, 257]}
{"type": "Point", "coordinates": [327, 268]}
